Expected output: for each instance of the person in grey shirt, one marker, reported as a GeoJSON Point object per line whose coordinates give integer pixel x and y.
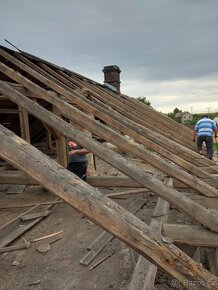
{"type": "Point", "coordinates": [77, 159]}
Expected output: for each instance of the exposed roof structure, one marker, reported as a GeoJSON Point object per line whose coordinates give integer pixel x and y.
{"type": "Point", "coordinates": [37, 98]}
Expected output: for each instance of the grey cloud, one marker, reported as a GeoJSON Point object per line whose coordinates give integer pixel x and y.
{"type": "Point", "coordinates": [150, 40]}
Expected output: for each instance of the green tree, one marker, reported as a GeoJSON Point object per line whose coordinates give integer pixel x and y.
{"type": "Point", "coordinates": [172, 114]}
{"type": "Point", "coordinates": [176, 110]}
{"type": "Point", "coordinates": [144, 101]}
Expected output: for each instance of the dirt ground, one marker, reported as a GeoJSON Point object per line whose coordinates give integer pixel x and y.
{"type": "Point", "coordinates": [59, 268]}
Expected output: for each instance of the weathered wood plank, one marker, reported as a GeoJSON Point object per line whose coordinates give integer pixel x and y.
{"type": "Point", "coordinates": [191, 235]}
{"type": "Point", "coordinates": [95, 181]}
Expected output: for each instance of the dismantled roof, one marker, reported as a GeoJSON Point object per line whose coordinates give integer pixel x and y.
{"type": "Point", "coordinates": [38, 97]}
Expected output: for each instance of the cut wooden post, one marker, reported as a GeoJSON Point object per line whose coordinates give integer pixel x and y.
{"type": "Point", "coordinates": [196, 211]}
{"type": "Point", "coordinates": [60, 143]}
{"type": "Point", "coordinates": [91, 170]}
{"type": "Point", "coordinates": [24, 124]}
{"type": "Point", "coordinates": [145, 272]}
{"type": "Point", "coordinates": [48, 139]}
{"type": "Point", "coordinates": [103, 211]}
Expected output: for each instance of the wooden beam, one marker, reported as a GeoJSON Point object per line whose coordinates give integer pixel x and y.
{"type": "Point", "coordinates": [196, 211]}
{"type": "Point", "coordinates": [192, 235]}
{"type": "Point", "coordinates": [16, 178]}
{"type": "Point", "coordinates": [102, 181]}
{"type": "Point", "coordinates": [60, 143]}
{"type": "Point", "coordinates": [208, 202]}
{"type": "Point", "coordinates": [125, 181]}
{"type": "Point", "coordinates": [48, 137]}
{"type": "Point", "coordinates": [9, 111]}
{"type": "Point", "coordinates": [103, 211]}
{"type": "Point", "coordinates": [91, 169]}
{"type": "Point", "coordinates": [24, 124]}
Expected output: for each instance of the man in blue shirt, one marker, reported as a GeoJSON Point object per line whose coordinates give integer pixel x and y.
{"type": "Point", "coordinates": [204, 130]}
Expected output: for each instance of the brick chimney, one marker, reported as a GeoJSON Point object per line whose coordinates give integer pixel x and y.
{"type": "Point", "coordinates": [112, 76]}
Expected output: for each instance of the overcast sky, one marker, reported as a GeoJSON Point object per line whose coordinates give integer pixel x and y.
{"type": "Point", "coordinates": [167, 50]}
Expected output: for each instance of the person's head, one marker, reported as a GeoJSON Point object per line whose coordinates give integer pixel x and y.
{"type": "Point", "coordinates": [204, 116]}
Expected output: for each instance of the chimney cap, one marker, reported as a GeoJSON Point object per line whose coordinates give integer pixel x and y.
{"type": "Point", "coordinates": [111, 68]}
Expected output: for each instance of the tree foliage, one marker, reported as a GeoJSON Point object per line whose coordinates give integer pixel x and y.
{"type": "Point", "coordinates": [172, 114]}
{"type": "Point", "coordinates": [144, 101]}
